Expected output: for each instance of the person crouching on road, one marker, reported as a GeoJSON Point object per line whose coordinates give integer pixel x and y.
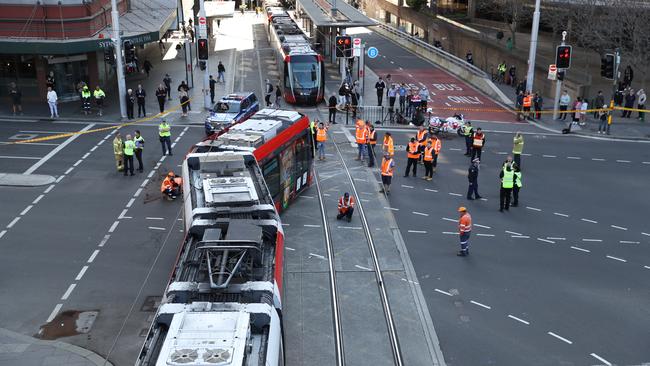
{"type": "Point", "coordinates": [428, 161]}
{"type": "Point", "coordinates": [321, 138]}
{"type": "Point", "coordinates": [464, 231]}
{"type": "Point", "coordinates": [387, 167]}
{"type": "Point", "coordinates": [517, 186]}
{"type": "Point", "coordinates": [472, 177]}
{"type": "Point", "coordinates": [118, 151]}
{"type": "Point", "coordinates": [346, 207]}
{"type": "Point", "coordinates": [413, 154]}
{"type": "Point", "coordinates": [171, 186]}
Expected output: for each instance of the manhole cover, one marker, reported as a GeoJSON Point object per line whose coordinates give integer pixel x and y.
{"type": "Point", "coordinates": [68, 323]}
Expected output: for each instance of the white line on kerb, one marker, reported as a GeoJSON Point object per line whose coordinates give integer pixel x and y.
{"type": "Point", "coordinates": [591, 221]}
{"type": "Point", "coordinates": [618, 227]}
{"type": "Point", "coordinates": [443, 292]}
{"type": "Point", "coordinates": [420, 213]}
{"type": "Point", "coordinates": [518, 319]}
{"type": "Point", "coordinates": [26, 210]}
{"type": "Point", "coordinates": [581, 249]}
{"type": "Point", "coordinates": [157, 228]}
{"type": "Point", "coordinates": [130, 202]}
{"type": "Point", "coordinates": [594, 240]}
{"type": "Point", "coordinates": [54, 312]}
{"type": "Point", "coordinates": [481, 305]}
{"type": "Point", "coordinates": [607, 363]}
{"type": "Point", "coordinates": [559, 337]}
{"type": "Point", "coordinates": [417, 231]}
{"type": "Point", "coordinates": [81, 273]}
{"type": "Point", "coordinates": [92, 256]}
{"type": "Point", "coordinates": [113, 227]}
{"type": "Point", "coordinates": [560, 214]}
{"type": "Point", "coordinates": [309, 225]}
{"type": "Point", "coordinates": [533, 208]}
{"type": "Point", "coordinates": [68, 291]}
{"type": "Point", "coordinates": [69, 170]}
{"type": "Point", "coordinates": [13, 222]}
{"type": "Point", "coordinates": [363, 268]}
{"type": "Point", "coordinates": [38, 199]}
{"type": "Point", "coordinates": [617, 258]}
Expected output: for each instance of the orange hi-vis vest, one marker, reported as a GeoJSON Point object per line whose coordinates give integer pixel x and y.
{"type": "Point", "coordinates": [528, 100]}
{"type": "Point", "coordinates": [372, 137]}
{"type": "Point", "coordinates": [428, 153]}
{"type": "Point", "coordinates": [478, 140]}
{"type": "Point", "coordinates": [166, 184]}
{"type": "Point", "coordinates": [437, 145]}
{"type": "Point", "coordinates": [465, 223]}
{"type": "Point", "coordinates": [413, 151]}
{"type": "Point", "coordinates": [362, 135]}
{"type": "Point", "coordinates": [387, 167]}
{"type": "Point", "coordinates": [420, 136]}
{"type": "Point", "coordinates": [321, 134]}
{"type": "Point", "coordinates": [344, 205]}
{"type": "Point", "coordinates": [389, 147]}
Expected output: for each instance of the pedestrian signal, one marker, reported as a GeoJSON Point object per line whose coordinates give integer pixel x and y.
{"type": "Point", "coordinates": [563, 57]}
{"type": "Point", "coordinates": [343, 46]}
{"type": "Point", "coordinates": [129, 51]}
{"type": "Point", "coordinates": [203, 49]}
{"type": "Point", "coordinates": [607, 65]}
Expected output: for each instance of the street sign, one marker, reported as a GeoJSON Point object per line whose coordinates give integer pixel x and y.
{"type": "Point", "coordinates": [373, 52]}
{"type": "Point", "coordinates": [202, 21]}
{"type": "Point", "coordinates": [552, 72]}
{"type": "Point", "coordinates": [203, 30]}
{"type": "Point", "coordinates": [356, 47]}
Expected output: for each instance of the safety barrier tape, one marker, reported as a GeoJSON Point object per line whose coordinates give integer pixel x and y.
{"type": "Point", "coordinates": [543, 111]}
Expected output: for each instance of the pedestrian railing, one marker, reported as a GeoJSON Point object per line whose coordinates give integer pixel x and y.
{"type": "Point", "coordinates": [378, 115]}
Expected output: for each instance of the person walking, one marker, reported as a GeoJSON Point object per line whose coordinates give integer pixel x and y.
{"type": "Point", "coordinates": [346, 207]}
{"type": "Point", "coordinates": [516, 187]}
{"type": "Point", "coordinates": [185, 88]}
{"type": "Point", "coordinates": [52, 101]}
{"type": "Point", "coordinates": [372, 142]}
{"type": "Point", "coordinates": [139, 146]}
{"type": "Point", "coordinates": [221, 72]}
{"type": "Point", "coordinates": [164, 132]}
{"type": "Point", "coordinates": [413, 155]}
{"type": "Point", "coordinates": [507, 176]}
{"type": "Point", "coordinates": [428, 154]}
{"type": "Point", "coordinates": [212, 84]}
{"type": "Point", "coordinates": [388, 146]}
{"type": "Point", "coordinates": [518, 147]}
{"type": "Point", "coordinates": [361, 136]}
{"type": "Point", "coordinates": [321, 138]}
{"type": "Point", "coordinates": [147, 66]}
{"type": "Point", "coordinates": [99, 96]}
{"type": "Point", "coordinates": [565, 99]}
{"type": "Point", "coordinates": [161, 96]}
{"type": "Point", "coordinates": [267, 92]}
{"type": "Point", "coordinates": [472, 177]}
{"type": "Point", "coordinates": [278, 96]}
{"type": "Point", "coordinates": [140, 95]}
{"type": "Point", "coordinates": [468, 132]}
{"type": "Point", "coordinates": [464, 231]}
{"type": "Point", "coordinates": [538, 104]}
{"type": "Point", "coordinates": [167, 80]}
{"type": "Point", "coordinates": [387, 168]}
{"type": "Point", "coordinates": [130, 101]}
{"type": "Point", "coordinates": [129, 149]}
{"type": "Point", "coordinates": [118, 151]}
{"type": "Point", "coordinates": [185, 102]}
{"type": "Point", "coordinates": [380, 85]}
{"type": "Point", "coordinates": [640, 104]}
{"type": "Point", "coordinates": [478, 142]}
{"type": "Point", "coordinates": [16, 98]}
{"type": "Point", "coordinates": [331, 105]}
{"type": "Point", "coordinates": [85, 99]}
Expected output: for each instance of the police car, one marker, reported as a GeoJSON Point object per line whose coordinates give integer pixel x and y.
{"type": "Point", "coordinates": [231, 109]}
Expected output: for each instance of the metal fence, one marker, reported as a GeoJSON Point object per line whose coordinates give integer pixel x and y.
{"type": "Point", "coordinates": [378, 115]}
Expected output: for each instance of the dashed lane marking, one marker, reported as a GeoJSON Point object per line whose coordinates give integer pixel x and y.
{"type": "Point", "coordinates": [151, 173]}
{"type": "Point", "coordinates": [481, 305]}
{"type": "Point", "coordinates": [93, 256]}
{"type": "Point", "coordinates": [597, 159]}
{"type": "Point", "coordinates": [103, 242]}
{"type": "Point", "coordinates": [520, 236]}
{"type": "Point", "coordinates": [85, 155]}
{"type": "Point", "coordinates": [560, 214]}
{"type": "Point", "coordinates": [420, 213]}
{"type": "Point", "coordinates": [518, 319]}
{"type": "Point", "coordinates": [144, 183]}
{"type": "Point", "coordinates": [449, 233]}
{"type": "Point", "coordinates": [629, 242]}
{"type": "Point", "coordinates": [645, 162]}
{"type": "Point", "coordinates": [38, 199]}
{"type": "Point", "coordinates": [455, 194]}
{"type": "Point", "coordinates": [574, 157]}
{"type": "Point", "coordinates": [646, 234]}
{"type": "Point", "coordinates": [26, 210]}
{"type": "Point", "coordinates": [310, 225]}
{"type": "Point", "coordinates": [130, 202]}
{"type": "Point", "coordinates": [554, 238]}
{"type": "Point", "coordinates": [454, 149]}
{"type": "Point", "coordinates": [607, 363]}
{"type": "Point", "coordinates": [623, 161]}
{"type": "Point", "coordinates": [392, 208]}
{"type": "Point", "coordinates": [533, 208]}
{"type": "Point", "coordinates": [443, 292]}
{"type": "Point", "coordinates": [581, 249]}
{"type": "Point", "coordinates": [54, 312]}
{"type": "Point", "coordinates": [291, 249]}
{"type": "Point", "coordinates": [68, 291]}
{"type": "Point", "coordinates": [154, 218]}
{"type": "Point", "coordinates": [589, 221]}
{"type": "Point", "coordinates": [157, 228]}
{"type": "Point", "coordinates": [2, 233]}
{"type": "Point", "coordinates": [363, 268]}
{"type": "Point", "coordinates": [13, 222]}
{"type": "Point", "coordinates": [113, 227]}
{"type": "Point", "coordinates": [70, 169]}
{"type": "Point", "coordinates": [448, 219]}
{"type": "Point", "coordinates": [405, 186]}
{"type": "Point", "coordinates": [317, 256]}
{"type": "Point", "coordinates": [483, 226]}
{"type": "Point", "coordinates": [81, 273]}
{"type": "Point", "coordinates": [617, 258]}
{"type": "Point", "coordinates": [559, 337]}
{"type": "Point", "coordinates": [546, 240]}
{"type": "Point", "coordinates": [78, 162]}
{"type": "Point", "coordinates": [349, 227]}
{"type": "Point", "coordinates": [646, 267]}
{"type": "Point", "coordinates": [123, 213]}
{"type": "Point", "coordinates": [305, 196]}
{"type": "Point", "coordinates": [593, 240]}
{"type": "Point", "coordinates": [490, 235]}
{"type": "Point", "coordinates": [618, 227]}
{"type": "Point", "coordinates": [48, 189]}
{"type": "Point", "coordinates": [137, 193]}
{"type": "Point", "coordinates": [60, 178]}
{"type": "Point", "coordinates": [417, 231]}
{"type": "Point", "coordinates": [431, 190]}
{"type": "Point", "coordinates": [513, 232]}
{"type": "Point", "coordinates": [549, 156]}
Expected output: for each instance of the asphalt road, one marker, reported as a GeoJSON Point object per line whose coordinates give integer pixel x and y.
{"type": "Point", "coordinates": [551, 282]}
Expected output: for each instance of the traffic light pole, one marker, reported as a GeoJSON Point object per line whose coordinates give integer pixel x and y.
{"type": "Point", "coordinates": [558, 84]}
{"type": "Point", "coordinates": [530, 78]}
{"type": "Point", "coordinates": [203, 33]}
{"type": "Point", "coordinates": [121, 85]}
{"type": "Point", "coordinates": [617, 62]}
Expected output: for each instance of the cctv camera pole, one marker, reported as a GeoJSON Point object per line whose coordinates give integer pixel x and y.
{"type": "Point", "coordinates": [203, 33]}
{"type": "Point", "coordinates": [530, 78]}
{"type": "Point", "coordinates": [558, 84]}
{"type": "Point", "coordinates": [121, 85]}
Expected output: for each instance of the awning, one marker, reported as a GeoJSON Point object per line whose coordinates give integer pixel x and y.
{"type": "Point", "coordinates": [147, 21]}
{"type": "Point", "coordinates": [219, 9]}
{"type": "Point", "coordinates": [346, 16]}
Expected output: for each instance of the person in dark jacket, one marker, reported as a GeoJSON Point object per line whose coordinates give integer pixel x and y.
{"type": "Point", "coordinates": [161, 95]}
{"type": "Point", "coordinates": [472, 177]}
{"type": "Point", "coordinates": [598, 102]}
{"type": "Point", "coordinates": [630, 98]}
{"type": "Point", "coordinates": [538, 103]}
{"type": "Point", "coordinates": [212, 84]}
{"type": "Point", "coordinates": [331, 104]}
{"type": "Point", "coordinates": [130, 102]}
{"type": "Point", "coordinates": [380, 86]}
{"type": "Point", "coordinates": [147, 67]}
{"type": "Point", "coordinates": [140, 94]}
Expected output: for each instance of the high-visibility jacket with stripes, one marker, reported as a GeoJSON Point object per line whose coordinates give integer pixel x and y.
{"type": "Point", "coordinates": [478, 141]}
{"type": "Point", "coordinates": [528, 101]}
{"type": "Point", "coordinates": [428, 153]}
{"type": "Point", "coordinates": [345, 204]}
{"type": "Point", "coordinates": [389, 146]}
{"type": "Point", "coordinates": [421, 136]}
{"type": "Point", "coordinates": [362, 135]}
{"type": "Point", "coordinates": [465, 223]}
{"type": "Point", "coordinates": [412, 150]}
{"type": "Point", "coordinates": [437, 145]}
{"type": "Point", "coordinates": [321, 134]}
{"type": "Point", "coordinates": [372, 137]}
{"type": "Point", "coordinates": [387, 166]}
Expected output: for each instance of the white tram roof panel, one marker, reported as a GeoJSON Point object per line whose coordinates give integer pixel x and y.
{"type": "Point", "coordinates": [224, 190]}
{"type": "Point", "coordinates": [270, 113]}
{"type": "Point", "coordinates": [206, 338]}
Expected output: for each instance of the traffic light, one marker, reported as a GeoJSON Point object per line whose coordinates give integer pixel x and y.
{"type": "Point", "coordinates": [607, 66]}
{"type": "Point", "coordinates": [129, 51]}
{"type": "Point", "coordinates": [203, 49]}
{"type": "Point", "coordinates": [108, 54]}
{"type": "Point", "coordinates": [563, 57]}
{"type": "Point", "coordinates": [343, 46]}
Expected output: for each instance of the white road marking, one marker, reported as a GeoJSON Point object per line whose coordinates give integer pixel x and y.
{"type": "Point", "coordinates": [533, 208]}
{"type": "Point", "coordinates": [137, 193]}
{"type": "Point", "coordinates": [93, 256]}
{"type": "Point", "coordinates": [502, 153]}
{"type": "Point", "coordinates": [454, 149]}
{"type": "Point", "coordinates": [69, 170]}
{"type": "Point", "coordinates": [449, 233]}
{"type": "Point", "coordinates": [54, 312]}
{"type": "Point", "coordinates": [306, 196]}
{"type": "Point", "coordinates": [560, 214]}
{"type": "Point", "coordinates": [316, 255]}
{"type": "Point", "coordinates": [417, 231]}
{"type": "Point", "coordinates": [309, 225]}
{"type": "Point", "coordinates": [597, 159]}
{"type": "Point", "coordinates": [645, 162]}
{"type": "Point", "coordinates": [455, 194]}
{"type": "Point", "coordinates": [81, 273]}
{"type": "Point", "coordinates": [363, 268]}
{"type": "Point", "coordinates": [2, 233]}
{"type": "Point", "coordinates": [559, 337]}
{"type": "Point", "coordinates": [154, 218]}
{"type": "Point", "coordinates": [623, 161]}
{"type": "Point", "coordinates": [60, 178]}
{"type": "Point", "coordinates": [431, 190]}
{"type": "Point", "coordinates": [590, 221]}
{"type": "Point", "coordinates": [85, 155]}
{"type": "Point", "coordinates": [574, 157]}
{"type": "Point", "coordinates": [481, 305]}
{"type": "Point", "coordinates": [54, 151]}
{"type": "Point", "coordinates": [157, 228]}
{"type": "Point", "coordinates": [26, 210]}
{"type": "Point", "coordinates": [101, 142]}
{"type": "Point", "coordinates": [13, 222]}
{"type": "Point", "coordinates": [78, 162]}
{"type": "Point", "coordinates": [546, 240]}
{"type": "Point", "coordinates": [646, 234]}
{"type": "Point", "coordinates": [106, 237]}
{"type": "Point", "coordinates": [593, 240]}
{"type": "Point", "coordinates": [513, 232]}
{"type": "Point", "coordinates": [68, 291]}
{"type": "Point", "coordinates": [607, 363]}
{"type": "Point", "coordinates": [549, 156]}
{"type": "Point", "coordinates": [518, 319]}
{"type": "Point", "coordinates": [485, 235]}
{"type": "Point", "coordinates": [48, 189]}
{"type": "Point", "coordinates": [629, 242]}
{"type": "Point", "coordinates": [448, 219]}
{"type": "Point", "coordinates": [524, 154]}
{"type": "Point", "coordinates": [162, 158]}
{"type": "Point", "coordinates": [391, 208]}
{"type": "Point", "coordinates": [130, 202]}
{"type": "Point", "coordinates": [443, 292]}
{"type": "Point", "coordinates": [420, 213]}
{"type": "Point", "coordinates": [174, 144]}
{"type": "Point", "coordinates": [554, 238]}
{"type": "Point", "coordinates": [581, 249]}
{"type": "Point", "coordinates": [151, 173]}
{"type": "Point", "coordinates": [618, 227]}
{"type": "Point", "coordinates": [483, 226]}
{"type": "Point", "coordinates": [291, 249]}
{"type": "Point", "coordinates": [144, 183]}
{"type": "Point", "coordinates": [405, 186]}
{"type": "Point", "coordinates": [113, 227]}
{"type": "Point", "coordinates": [123, 213]}
{"type": "Point", "coordinates": [520, 236]}
{"type": "Point", "coordinates": [646, 267]}
{"type": "Point", "coordinates": [617, 258]}
{"type": "Point", "coordinates": [350, 227]}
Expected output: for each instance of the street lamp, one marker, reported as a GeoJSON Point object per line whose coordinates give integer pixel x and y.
{"type": "Point", "coordinates": [530, 77]}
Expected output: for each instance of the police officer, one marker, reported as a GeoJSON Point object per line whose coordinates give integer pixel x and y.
{"type": "Point", "coordinates": [516, 187]}
{"type": "Point", "coordinates": [164, 131]}
{"type": "Point", "coordinates": [85, 99]}
{"type": "Point", "coordinates": [99, 95]}
{"type": "Point", "coordinates": [508, 177]}
{"type": "Point", "coordinates": [129, 149]}
{"type": "Point", "coordinates": [139, 146]}
{"type": "Point", "coordinates": [468, 132]}
{"type": "Point", "coordinates": [413, 154]}
{"type": "Point", "coordinates": [472, 177]}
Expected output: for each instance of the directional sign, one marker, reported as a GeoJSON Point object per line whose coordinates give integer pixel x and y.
{"type": "Point", "coordinates": [373, 52]}
{"type": "Point", "coordinates": [552, 72]}
{"type": "Point", "coordinates": [356, 49]}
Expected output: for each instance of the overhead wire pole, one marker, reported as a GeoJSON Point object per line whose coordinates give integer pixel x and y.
{"type": "Point", "coordinates": [121, 85]}
{"type": "Point", "coordinates": [530, 78]}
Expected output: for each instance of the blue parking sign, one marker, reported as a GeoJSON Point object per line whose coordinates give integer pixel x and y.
{"type": "Point", "coordinates": [373, 52]}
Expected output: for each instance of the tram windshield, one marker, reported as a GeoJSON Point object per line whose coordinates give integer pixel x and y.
{"type": "Point", "coordinates": [305, 71]}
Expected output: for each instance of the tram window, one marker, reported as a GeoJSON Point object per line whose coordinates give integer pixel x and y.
{"type": "Point", "coordinates": [305, 74]}
{"type": "Point", "coordinates": [303, 155]}
{"type": "Point", "coordinates": [271, 172]}
{"type": "Point", "coordinates": [287, 82]}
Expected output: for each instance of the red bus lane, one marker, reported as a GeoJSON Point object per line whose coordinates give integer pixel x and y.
{"type": "Point", "coordinates": [449, 95]}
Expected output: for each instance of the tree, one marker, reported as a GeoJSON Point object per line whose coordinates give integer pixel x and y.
{"type": "Point", "coordinates": [416, 4]}
{"type": "Point", "coordinates": [511, 12]}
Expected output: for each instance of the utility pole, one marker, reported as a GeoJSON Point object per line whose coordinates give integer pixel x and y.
{"type": "Point", "coordinates": [121, 85]}
{"type": "Point", "coordinates": [530, 78]}
{"type": "Point", "coordinates": [203, 34]}
{"type": "Point", "coordinates": [617, 63]}
{"type": "Point", "coordinates": [558, 84]}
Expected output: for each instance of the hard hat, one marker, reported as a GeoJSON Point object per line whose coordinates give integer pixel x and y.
{"type": "Point", "coordinates": [462, 209]}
